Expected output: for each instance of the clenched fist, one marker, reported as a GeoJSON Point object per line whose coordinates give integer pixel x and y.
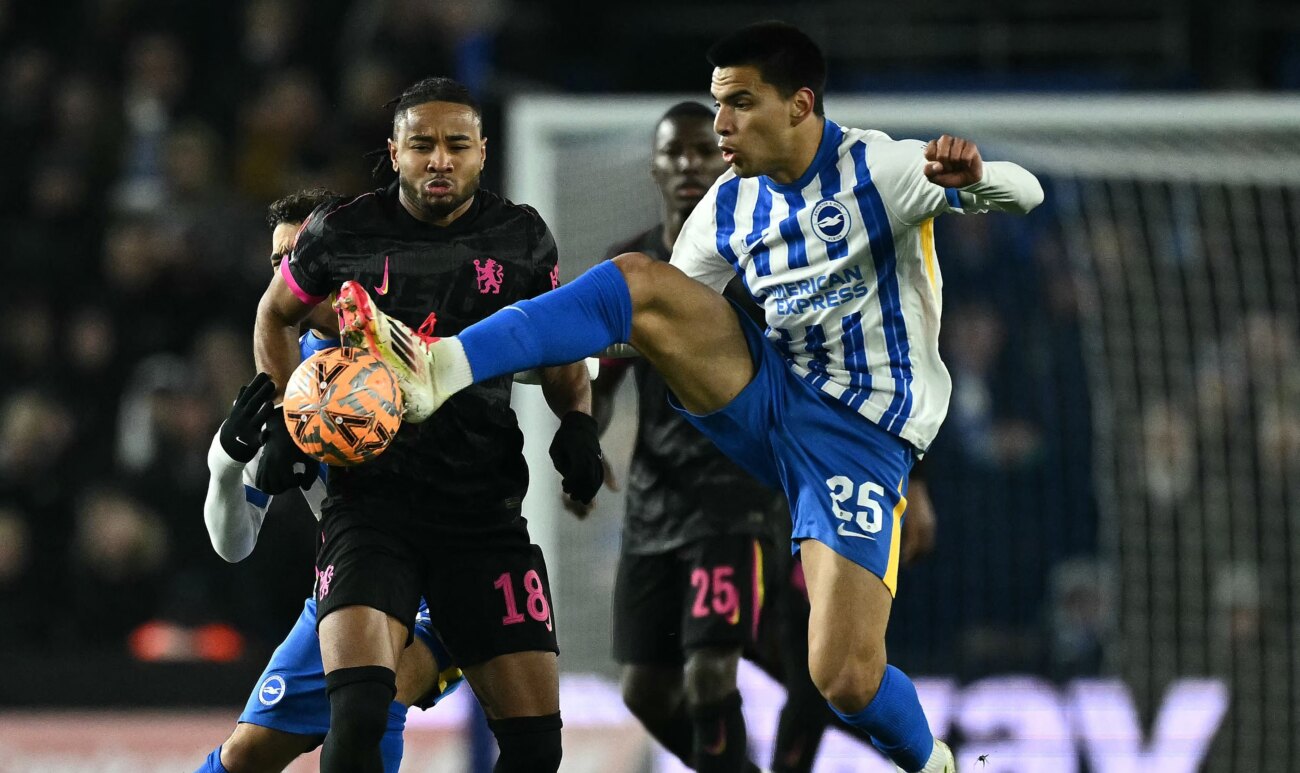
{"type": "Point", "coordinates": [953, 162]}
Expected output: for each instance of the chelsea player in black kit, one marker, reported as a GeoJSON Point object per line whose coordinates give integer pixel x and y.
{"type": "Point", "coordinates": [697, 550]}
{"type": "Point", "coordinates": [439, 512]}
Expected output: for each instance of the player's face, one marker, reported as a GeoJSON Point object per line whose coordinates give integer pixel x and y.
{"type": "Point", "coordinates": [438, 154]}
{"type": "Point", "coordinates": [754, 121]}
{"type": "Point", "coordinates": [322, 317]}
{"type": "Point", "coordinates": [686, 162]}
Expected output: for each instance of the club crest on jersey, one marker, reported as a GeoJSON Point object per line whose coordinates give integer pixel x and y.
{"type": "Point", "coordinates": [489, 274]}
{"type": "Point", "coordinates": [272, 690]}
{"type": "Point", "coordinates": [831, 221]}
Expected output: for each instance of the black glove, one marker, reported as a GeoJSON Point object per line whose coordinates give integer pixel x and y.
{"type": "Point", "coordinates": [576, 453]}
{"type": "Point", "coordinates": [241, 432]}
{"type": "Point", "coordinates": [276, 473]}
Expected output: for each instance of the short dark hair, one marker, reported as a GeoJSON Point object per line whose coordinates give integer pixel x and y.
{"type": "Point", "coordinates": [295, 207]}
{"type": "Point", "coordinates": [784, 55]}
{"type": "Point", "coordinates": [436, 89]}
{"type": "Point", "coordinates": [687, 109]}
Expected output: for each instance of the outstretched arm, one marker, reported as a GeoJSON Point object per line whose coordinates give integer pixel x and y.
{"type": "Point", "coordinates": [999, 186]}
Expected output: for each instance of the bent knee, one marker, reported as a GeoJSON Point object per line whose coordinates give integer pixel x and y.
{"type": "Point", "coordinates": [847, 683]}
{"type": "Point", "coordinates": [650, 282]}
{"type": "Point", "coordinates": [646, 693]}
{"type": "Point", "coordinates": [256, 749]}
{"type": "Point", "coordinates": [710, 675]}
{"type": "Point", "coordinates": [635, 264]}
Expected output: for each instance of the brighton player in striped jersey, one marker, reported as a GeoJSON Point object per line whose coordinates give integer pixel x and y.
{"type": "Point", "coordinates": [288, 712]}
{"type": "Point", "coordinates": [830, 228]}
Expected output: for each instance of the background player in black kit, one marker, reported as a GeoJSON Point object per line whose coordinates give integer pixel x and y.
{"type": "Point", "coordinates": [439, 512]}
{"type": "Point", "coordinates": [699, 534]}
{"type": "Point", "coordinates": [697, 539]}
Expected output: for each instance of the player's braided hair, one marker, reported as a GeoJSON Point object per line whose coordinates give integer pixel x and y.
{"type": "Point", "coordinates": [295, 207]}
{"type": "Point", "coordinates": [436, 89]}
{"type": "Point", "coordinates": [433, 89]}
{"type": "Point", "coordinates": [784, 55]}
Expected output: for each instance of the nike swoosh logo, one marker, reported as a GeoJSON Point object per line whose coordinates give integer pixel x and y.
{"type": "Point", "coordinates": [749, 246]}
{"type": "Point", "coordinates": [382, 287]}
{"type": "Point", "coordinates": [843, 532]}
{"type": "Point", "coordinates": [721, 744]}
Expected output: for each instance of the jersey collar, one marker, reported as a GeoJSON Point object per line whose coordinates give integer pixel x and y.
{"type": "Point", "coordinates": [827, 152]}
{"type": "Point", "coordinates": [461, 223]}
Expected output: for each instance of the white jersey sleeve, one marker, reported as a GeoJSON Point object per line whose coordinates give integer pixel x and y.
{"type": "Point", "coordinates": [1005, 187]}
{"type": "Point", "coordinates": [695, 252]}
{"type": "Point", "coordinates": [235, 508]}
{"type": "Point", "coordinates": [899, 167]}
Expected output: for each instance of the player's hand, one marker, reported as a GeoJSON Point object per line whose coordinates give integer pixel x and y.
{"type": "Point", "coordinates": [284, 465]}
{"type": "Point", "coordinates": [953, 162]}
{"type": "Point", "coordinates": [241, 432]}
{"type": "Point", "coordinates": [577, 457]}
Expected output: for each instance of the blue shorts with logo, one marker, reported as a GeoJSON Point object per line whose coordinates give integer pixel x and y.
{"type": "Point", "coordinates": [845, 477]}
{"type": "Point", "coordinates": [290, 695]}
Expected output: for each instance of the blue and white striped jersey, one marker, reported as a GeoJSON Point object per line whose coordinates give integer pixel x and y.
{"type": "Point", "coordinates": [843, 262]}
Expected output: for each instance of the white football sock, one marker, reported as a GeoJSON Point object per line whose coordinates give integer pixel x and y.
{"type": "Point", "coordinates": [450, 366]}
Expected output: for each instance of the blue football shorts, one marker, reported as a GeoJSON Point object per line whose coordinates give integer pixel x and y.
{"type": "Point", "coordinates": [844, 476]}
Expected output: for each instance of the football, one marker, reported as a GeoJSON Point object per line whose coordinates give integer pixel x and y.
{"type": "Point", "coordinates": [343, 406]}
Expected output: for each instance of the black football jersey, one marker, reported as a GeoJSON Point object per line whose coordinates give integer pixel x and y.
{"type": "Point", "coordinates": [469, 454]}
{"type": "Point", "coordinates": [681, 488]}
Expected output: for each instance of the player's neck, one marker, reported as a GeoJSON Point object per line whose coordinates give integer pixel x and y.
{"type": "Point", "coordinates": [807, 141]}
{"type": "Point", "coordinates": [673, 221]}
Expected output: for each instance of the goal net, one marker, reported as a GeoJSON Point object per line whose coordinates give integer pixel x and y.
{"type": "Point", "coordinates": [1118, 482]}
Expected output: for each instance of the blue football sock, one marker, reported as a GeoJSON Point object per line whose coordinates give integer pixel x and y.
{"type": "Point", "coordinates": [392, 745]}
{"type": "Point", "coordinates": [213, 763]}
{"type": "Point", "coordinates": [896, 721]}
{"type": "Point", "coordinates": [555, 328]}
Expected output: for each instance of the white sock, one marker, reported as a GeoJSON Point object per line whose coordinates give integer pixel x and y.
{"type": "Point", "coordinates": [938, 758]}
{"type": "Point", "coordinates": [450, 366]}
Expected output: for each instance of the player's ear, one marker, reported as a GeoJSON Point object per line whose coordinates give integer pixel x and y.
{"type": "Point", "coordinates": [801, 105]}
{"type": "Point", "coordinates": [392, 153]}
{"type": "Point", "coordinates": [482, 152]}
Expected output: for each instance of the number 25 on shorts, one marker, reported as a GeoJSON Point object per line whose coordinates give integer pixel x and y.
{"type": "Point", "coordinates": [870, 518]}
{"type": "Point", "coordinates": [539, 608]}
{"type": "Point", "coordinates": [726, 599]}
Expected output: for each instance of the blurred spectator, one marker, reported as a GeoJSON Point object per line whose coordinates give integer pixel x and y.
{"type": "Point", "coordinates": [1081, 618]}
{"type": "Point", "coordinates": [155, 85]}
{"type": "Point", "coordinates": [118, 551]}
{"type": "Point", "coordinates": [282, 126]}
{"type": "Point", "coordinates": [18, 596]}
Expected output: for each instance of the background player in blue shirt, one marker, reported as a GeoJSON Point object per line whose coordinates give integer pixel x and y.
{"type": "Point", "coordinates": [288, 712]}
